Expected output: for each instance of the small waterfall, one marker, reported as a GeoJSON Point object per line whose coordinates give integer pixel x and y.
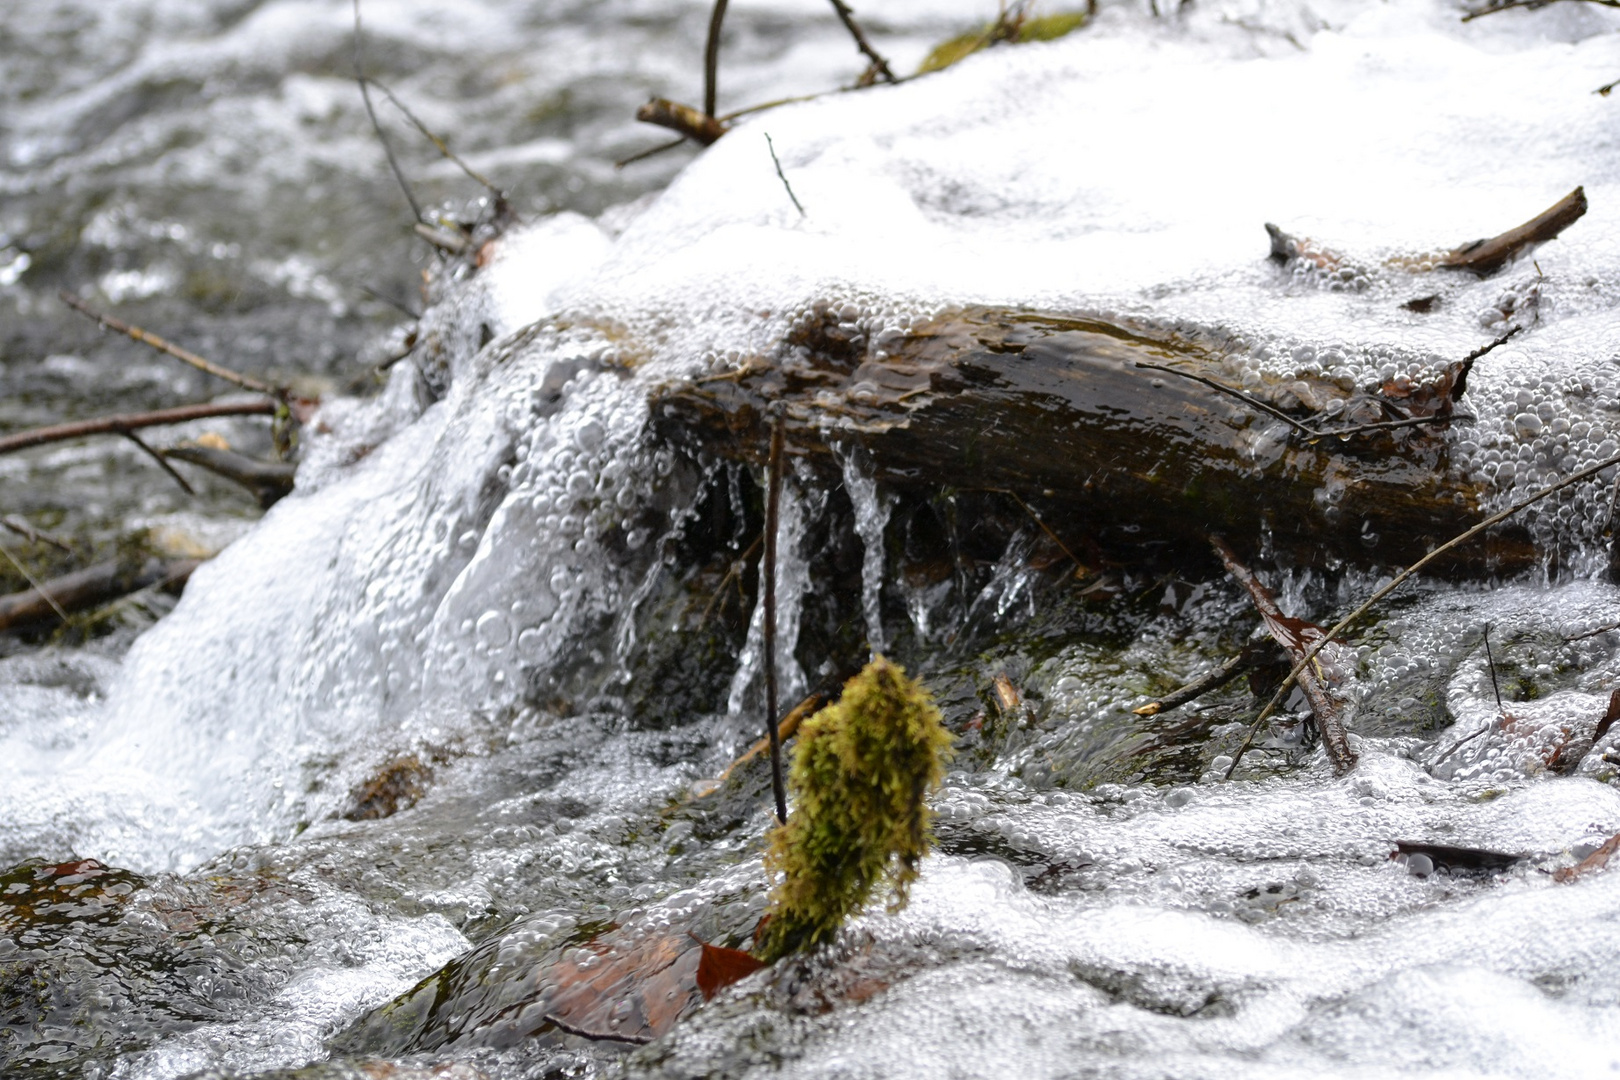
{"type": "Point", "coordinates": [746, 699]}
{"type": "Point", "coordinates": [872, 510]}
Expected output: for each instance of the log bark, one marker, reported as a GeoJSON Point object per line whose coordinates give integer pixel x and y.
{"type": "Point", "coordinates": [1057, 410]}
{"type": "Point", "coordinates": [89, 588]}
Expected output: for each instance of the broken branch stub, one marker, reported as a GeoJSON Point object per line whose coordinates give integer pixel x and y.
{"type": "Point", "coordinates": [692, 123]}
{"type": "Point", "coordinates": [1055, 408]}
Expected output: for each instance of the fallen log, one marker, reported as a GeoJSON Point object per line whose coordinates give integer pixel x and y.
{"type": "Point", "coordinates": [90, 588]}
{"type": "Point", "coordinates": [1062, 411]}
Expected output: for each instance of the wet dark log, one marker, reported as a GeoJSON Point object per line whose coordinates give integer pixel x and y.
{"type": "Point", "coordinates": [1058, 411]}
{"type": "Point", "coordinates": [270, 481]}
{"type": "Point", "coordinates": [89, 588]}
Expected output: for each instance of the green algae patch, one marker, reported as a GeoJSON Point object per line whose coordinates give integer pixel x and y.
{"type": "Point", "coordinates": [860, 779]}
{"type": "Point", "coordinates": [1016, 30]}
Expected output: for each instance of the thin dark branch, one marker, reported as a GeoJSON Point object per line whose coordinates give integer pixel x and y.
{"type": "Point", "coordinates": [1485, 349]}
{"type": "Point", "coordinates": [146, 448]}
{"type": "Point", "coordinates": [121, 423]}
{"type": "Point", "coordinates": [185, 356]}
{"type": "Point", "coordinates": [879, 65]}
{"type": "Point", "coordinates": [442, 146]}
{"type": "Point", "coordinates": [652, 151]}
{"type": "Point", "coordinates": [1400, 579]}
{"type": "Point", "coordinates": [35, 584]}
{"type": "Point", "coordinates": [773, 502]}
{"type": "Point", "coordinates": [1606, 88]}
{"type": "Point", "coordinates": [711, 58]}
{"type": "Point", "coordinates": [782, 176]}
{"type": "Point", "coordinates": [1529, 5]}
{"type": "Point", "coordinates": [1490, 660]}
{"type": "Point", "coordinates": [398, 305]}
{"type": "Point", "coordinates": [38, 536]}
{"type": "Point", "coordinates": [371, 111]}
{"type": "Point", "coordinates": [599, 1036]}
{"type": "Point", "coordinates": [1249, 399]}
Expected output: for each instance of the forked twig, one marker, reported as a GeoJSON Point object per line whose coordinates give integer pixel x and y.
{"type": "Point", "coordinates": [371, 111]}
{"type": "Point", "coordinates": [156, 456]}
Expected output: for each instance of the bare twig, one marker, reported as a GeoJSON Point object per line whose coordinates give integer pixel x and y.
{"type": "Point", "coordinates": [880, 66]}
{"type": "Point", "coordinates": [122, 423]}
{"type": "Point", "coordinates": [1490, 660]}
{"type": "Point", "coordinates": [701, 128]}
{"type": "Point", "coordinates": [1210, 680]}
{"type": "Point", "coordinates": [773, 503]}
{"type": "Point", "coordinates": [146, 448]}
{"type": "Point", "coordinates": [1292, 636]}
{"type": "Point", "coordinates": [442, 146]}
{"type": "Point", "coordinates": [1248, 399]}
{"type": "Point", "coordinates": [782, 176]}
{"type": "Point", "coordinates": [786, 729]}
{"type": "Point", "coordinates": [185, 356]}
{"type": "Point", "coordinates": [35, 583]}
{"type": "Point", "coordinates": [1400, 579]}
{"type": "Point", "coordinates": [371, 111]}
{"type": "Point", "coordinates": [1493, 7]}
{"type": "Point", "coordinates": [38, 536]}
{"type": "Point", "coordinates": [711, 58]}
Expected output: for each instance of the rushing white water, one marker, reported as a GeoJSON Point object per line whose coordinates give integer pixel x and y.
{"type": "Point", "coordinates": [462, 547]}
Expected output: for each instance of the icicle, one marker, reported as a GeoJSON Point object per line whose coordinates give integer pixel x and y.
{"type": "Point", "coordinates": [871, 519]}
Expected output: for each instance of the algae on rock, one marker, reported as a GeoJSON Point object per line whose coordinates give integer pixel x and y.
{"type": "Point", "coordinates": [861, 773]}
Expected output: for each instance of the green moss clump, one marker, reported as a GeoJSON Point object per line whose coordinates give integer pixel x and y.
{"type": "Point", "coordinates": [861, 773]}
{"type": "Point", "coordinates": [1012, 28]}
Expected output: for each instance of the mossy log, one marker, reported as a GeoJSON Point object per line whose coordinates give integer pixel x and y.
{"type": "Point", "coordinates": [1061, 412]}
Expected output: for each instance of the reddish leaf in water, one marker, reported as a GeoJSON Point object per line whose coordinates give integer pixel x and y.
{"type": "Point", "coordinates": [719, 967]}
{"type": "Point", "coordinates": [634, 990]}
{"type": "Point", "coordinates": [1610, 715]}
{"type": "Point", "coordinates": [1595, 861]}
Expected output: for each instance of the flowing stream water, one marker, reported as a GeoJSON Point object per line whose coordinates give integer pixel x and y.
{"type": "Point", "coordinates": [459, 703]}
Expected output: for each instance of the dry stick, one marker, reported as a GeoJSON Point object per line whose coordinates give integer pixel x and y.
{"type": "Point", "coordinates": [35, 584]}
{"type": "Point", "coordinates": [125, 422]}
{"type": "Point", "coordinates": [1200, 686]}
{"type": "Point", "coordinates": [38, 536]}
{"type": "Point", "coordinates": [847, 17]}
{"type": "Point", "coordinates": [163, 464]}
{"type": "Point", "coordinates": [442, 146]}
{"type": "Point", "coordinates": [371, 111]}
{"type": "Point", "coordinates": [1328, 721]}
{"type": "Point", "coordinates": [185, 356]}
{"type": "Point", "coordinates": [1484, 257]}
{"type": "Point", "coordinates": [773, 502]}
{"type": "Point", "coordinates": [781, 176]}
{"type": "Point", "coordinates": [711, 58]}
{"type": "Point", "coordinates": [1400, 579]}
